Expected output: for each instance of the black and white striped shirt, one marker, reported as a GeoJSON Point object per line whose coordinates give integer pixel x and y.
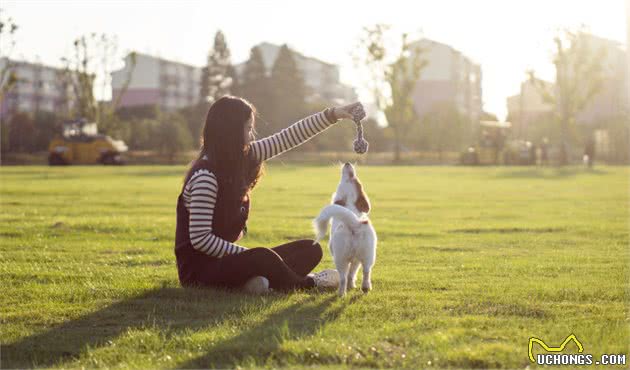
{"type": "Point", "coordinates": [200, 192]}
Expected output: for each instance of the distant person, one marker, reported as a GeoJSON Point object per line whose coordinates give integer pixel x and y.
{"type": "Point", "coordinates": [213, 206]}
{"type": "Point", "coordinates": [589, 152]}
{"type": "Point", "coordinates": [544, 152]}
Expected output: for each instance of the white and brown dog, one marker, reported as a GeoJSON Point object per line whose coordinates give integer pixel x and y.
{"type": "Point", "coordinates": [352, 237]}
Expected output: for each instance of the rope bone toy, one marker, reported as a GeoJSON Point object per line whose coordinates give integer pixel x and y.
{"type": "Point", "coordinates": [360, 144]}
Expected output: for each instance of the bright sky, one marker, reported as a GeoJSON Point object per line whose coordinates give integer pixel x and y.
{"type": "Point", "coordinates": [506, 37]}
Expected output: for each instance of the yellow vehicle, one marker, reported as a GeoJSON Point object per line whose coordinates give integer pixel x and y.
{"type": "Point", "coordinates": [80, 143]}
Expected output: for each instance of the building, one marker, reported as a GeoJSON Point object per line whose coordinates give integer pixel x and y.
{"type": "Point", "coordinates": [612, 98]}
{"type": "Point", "coordinates": [38, 88]}
{"type": "Point", "coordinates": [320, 78]}
{"type": "Point", "coordinates": [527, 108]}
{"type": "Point", "coordinates": [156, 81]}
{"type": "Point", "coordinates": [449, 77]}
{"type": "Point", "coordinates": [598, 120]}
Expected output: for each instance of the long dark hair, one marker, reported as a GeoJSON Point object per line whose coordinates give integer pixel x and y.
{"type": "Point", "coordinates": [228, 155]}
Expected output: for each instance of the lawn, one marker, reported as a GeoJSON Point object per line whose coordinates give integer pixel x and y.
{"type": "Point", "coordinates": [471, 263]}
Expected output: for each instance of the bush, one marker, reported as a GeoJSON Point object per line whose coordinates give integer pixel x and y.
{"type": "Point", "coordinates": [172, 135]}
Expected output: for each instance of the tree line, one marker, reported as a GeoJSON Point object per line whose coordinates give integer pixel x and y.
{"type": "Point", "coordinates": [281, 97]}
{"type": "Point", "coordinates": [279, 94]}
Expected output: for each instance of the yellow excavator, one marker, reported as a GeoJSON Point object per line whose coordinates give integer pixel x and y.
{"type": "Point", "coordinates": [80, 143]}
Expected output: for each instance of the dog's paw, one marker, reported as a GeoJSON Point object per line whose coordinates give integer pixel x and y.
{"type": "Point", "coordinates": [366, 288]}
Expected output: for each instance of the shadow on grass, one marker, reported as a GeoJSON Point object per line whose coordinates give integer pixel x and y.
{"type": "Point", "coordinates": [548, 172]}
{"type": "Point", "coordinates": [174, 310]}
{"type": "Point", "coordinates": [260, 344]}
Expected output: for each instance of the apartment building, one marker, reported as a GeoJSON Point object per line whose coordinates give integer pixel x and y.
{"type": "Point", "coordinates": [449, 77]}
{"type": "Point", "coordinates": [321, 78]}
{"type": "Point", "coordinates": [156, 81]}
{"type": "Point", "coordinates": [38, 88]}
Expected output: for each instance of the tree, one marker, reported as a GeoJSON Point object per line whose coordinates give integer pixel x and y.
{"type": "Point", "coordinates": [235, 88]}
{"type": "Point", "coordinates": [579, 77]}
{"type": "Point", "coordinates": [288, 89]}
{"type": "Point", "coordinates": [204, 88]}
{"type": "Point", "coordinates": [393, 77]}
{"type": "Point", "coordinates": [94, 57]}
{"type": "Point", "coordinates": [443, 128]}
{"type": "Point", "coordinates": [46, 127]}
{"type": "Point", "coordinates": [8, 78]}
{"type": "Point", "coordinates": [4, 137]}
{"type": "Point", "coordinates": [21, 131]}
{"type": "Point", "coordinates": [218, 78]}
{"type": "Point", "coordinates": [217, 82]}
{"type": "Point", "coordinates": [26, 132]}
{"type": "Point", "coordinates": [194, 116]}
{"type": "Point", "coordinates": [255, 83]}
{"type": "Point", "coordinates": [619, 133]}
{"type": "Point", "coordinates": [172, 135]}
{"type": "Point", "coordinates": [142, 133]}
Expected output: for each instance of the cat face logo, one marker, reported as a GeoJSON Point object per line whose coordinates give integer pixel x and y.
{"type": "Point", "coordinates": [560, 348]}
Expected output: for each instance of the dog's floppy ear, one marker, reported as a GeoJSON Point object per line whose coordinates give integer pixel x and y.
{"type": "Point", "coordinates": [363, 202]}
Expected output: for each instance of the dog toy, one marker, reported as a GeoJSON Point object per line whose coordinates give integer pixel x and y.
{"type": "Point", "coordinates": [360, 144]}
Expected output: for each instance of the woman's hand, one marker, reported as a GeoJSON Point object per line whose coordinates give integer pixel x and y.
{"type": "Point", "coordinates": [350, 111]}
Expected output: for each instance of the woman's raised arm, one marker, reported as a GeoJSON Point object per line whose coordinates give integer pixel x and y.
{"type": "Point", "coordinates": [298, 133]}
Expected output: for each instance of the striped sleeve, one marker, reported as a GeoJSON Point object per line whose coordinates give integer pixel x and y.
{"type": "Point", "coordinates": [202, 192]}
{"type": "Point", "coordinates": [290, 137]}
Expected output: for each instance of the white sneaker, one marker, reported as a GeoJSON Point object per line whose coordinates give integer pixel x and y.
{"type": "Point", "coordinates": [326, 279]}
{"type": "Point", "coordinates": [257, 285]}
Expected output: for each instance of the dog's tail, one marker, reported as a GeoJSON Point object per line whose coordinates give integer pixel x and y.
{"type": "Point", "coordinates": [342, 214]}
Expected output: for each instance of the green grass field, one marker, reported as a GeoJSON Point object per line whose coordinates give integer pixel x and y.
{"type": "Point", "coordinates": [471, 264]}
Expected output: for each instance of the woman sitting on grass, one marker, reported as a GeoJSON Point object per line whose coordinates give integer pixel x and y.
{"type": "Point", "coordinates": [213, 207]}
